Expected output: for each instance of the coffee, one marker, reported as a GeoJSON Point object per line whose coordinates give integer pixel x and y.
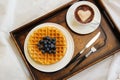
{"type": "Point", "coordinates": [84, 14]}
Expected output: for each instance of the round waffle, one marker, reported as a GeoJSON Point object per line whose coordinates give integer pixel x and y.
{"type": "Point", "coordinates": [39, 34]}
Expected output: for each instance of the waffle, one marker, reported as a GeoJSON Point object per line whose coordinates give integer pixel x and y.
{"type": "Point", "coordinates": [38, 35]}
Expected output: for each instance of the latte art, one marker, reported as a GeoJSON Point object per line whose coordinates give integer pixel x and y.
{"type": "Point", "coordinates": [84, 14]}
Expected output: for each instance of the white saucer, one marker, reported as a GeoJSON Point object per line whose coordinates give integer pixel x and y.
{"type": "Point", "coordinates": [63, 62]}
{"type": "Point", "coordinates": [76, 26]}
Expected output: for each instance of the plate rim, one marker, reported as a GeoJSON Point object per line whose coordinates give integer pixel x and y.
{"type": "Point", "coordinates": [37, 65]}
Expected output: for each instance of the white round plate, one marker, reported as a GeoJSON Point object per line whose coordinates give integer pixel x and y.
{"type": "Point", "coordinates": [63, 62]}
{"type": "Point", "coordinates": [76, 26]}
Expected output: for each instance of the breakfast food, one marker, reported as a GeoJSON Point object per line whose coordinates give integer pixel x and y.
{"type": "Point", "coordinates": [84, 14]}
{"type": "Point", "coordinates": [46, 45]}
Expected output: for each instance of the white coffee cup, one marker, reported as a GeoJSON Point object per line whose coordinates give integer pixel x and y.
{"type": "Point", "coordinates": [83, 27]}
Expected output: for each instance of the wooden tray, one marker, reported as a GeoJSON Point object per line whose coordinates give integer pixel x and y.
{"type": "Point", "coordinates": [109, 38]}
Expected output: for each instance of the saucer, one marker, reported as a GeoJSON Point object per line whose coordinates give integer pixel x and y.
{"type": "Point", "coordinates": [58, 65]}
{"type": "Point", "coordinates": [76, 26]}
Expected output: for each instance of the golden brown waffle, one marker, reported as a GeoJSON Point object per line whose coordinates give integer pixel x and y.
{"type": "Point", "coordinates": [46, 58]}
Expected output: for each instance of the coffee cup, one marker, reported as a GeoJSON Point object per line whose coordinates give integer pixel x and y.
{"type": "Point", "coordinates": [83, 17]}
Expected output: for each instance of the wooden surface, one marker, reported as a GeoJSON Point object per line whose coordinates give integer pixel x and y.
{"type": "Point", "coordinates": [109, 40]}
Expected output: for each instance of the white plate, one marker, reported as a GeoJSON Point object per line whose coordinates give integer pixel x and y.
{"type": "Point", "coordinates": [76, 26]}
{"type": "Point", "coordinates": [63, 62]}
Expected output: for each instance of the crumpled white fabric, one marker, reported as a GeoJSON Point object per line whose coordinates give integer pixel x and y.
{"type": "Point", "coordinates": [10, 67]}
{"type": "Point", "coordinates": [113, 7]}
{"type": "Point", "coordinates": [114, 70]}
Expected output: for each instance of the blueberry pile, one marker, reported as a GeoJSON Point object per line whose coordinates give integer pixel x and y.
{"type": "Point", "coordinates": [47, 45]}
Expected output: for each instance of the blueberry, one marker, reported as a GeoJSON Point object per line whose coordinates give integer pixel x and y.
{"type": "Point", "coordinates": [45, 42]}
{"type": "Point", "coordinates": [53, 51]}
{"type": "Point", "coordinates": [48, 38]}
{"type": "Point", "coordinates": [49, 42]}
{"type": "Point", "coordinates": [48, 45]}
{"type": "Point", "coordinates": [50, 51]}
{"type": "Point", "coordinates": [43, 51]}
{"type": "Point", "coordinates": [41, 41]}
{"type": "Point", "coordinates": [53, 40]}
{"type": "Point", "coordinates": [52, 46]}
{"type": "Point", "coordinates": [47, 49]}
{"type": "Point", "coordinates": [45, 46]}
{"type": "Point", "coordinates": [40, 47]}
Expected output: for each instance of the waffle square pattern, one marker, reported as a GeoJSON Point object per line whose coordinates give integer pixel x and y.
{"type": "Point", "coordinates": [46, 58]}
